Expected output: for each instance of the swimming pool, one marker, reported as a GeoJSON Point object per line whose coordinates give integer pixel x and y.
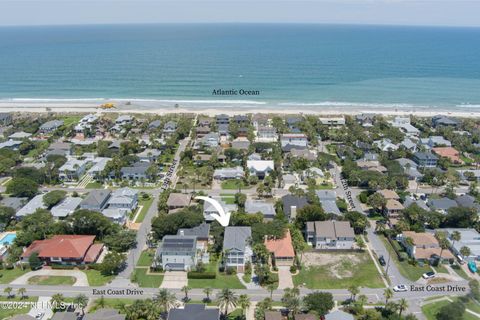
{"type": "Point", "coordinates": [8, 239]}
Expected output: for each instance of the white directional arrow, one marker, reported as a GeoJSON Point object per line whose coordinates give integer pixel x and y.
{"type": "Point", "coordinates": [222, 217]}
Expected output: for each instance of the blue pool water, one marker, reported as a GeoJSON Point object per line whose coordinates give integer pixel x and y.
{"type": "Point", "coordinates": [9, 238]}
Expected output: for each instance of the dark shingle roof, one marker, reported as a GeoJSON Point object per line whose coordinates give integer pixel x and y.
{"type": "Point", "coordinates": [194, 312]}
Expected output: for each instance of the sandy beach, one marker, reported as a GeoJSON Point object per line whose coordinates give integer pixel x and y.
{"type": "Point", "coordinates": [212, 109]}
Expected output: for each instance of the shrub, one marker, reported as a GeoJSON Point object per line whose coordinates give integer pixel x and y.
{"type": "Point", "coordinates": [293, 269]}
{"type": "Point", "coordinates": [62, 267]}
{"type": "Point", "coordinates": [403, 256]}
{"type": "Point", "coordinates": [231, 270]}
{"type": "Point", "coordinates": [201, 275]}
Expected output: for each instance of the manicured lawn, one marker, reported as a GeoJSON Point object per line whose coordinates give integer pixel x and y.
{"type": "Point", "coordinates": [326, 186]}
{"type": "Point", "coordinates": [7, 276]}
{"type": "Point", "coordinates": [146, 205]}
{"type": "Point", "coordinates": [221, 281]}
{"type": "Point", "coordinates": [7, 311]}
{"type": "Point", "coordinates": [111, 303]}
{"type": "Point", "coordinates": [229, 200]}
{"type": "Point", "coordinates": [247, 277]}
{"type": "Point", "coordinates": [459, 270]}
{"type": "Point", "coordinates": [145, 280]}
{"type": "Point", "coordinates": [52, 280]}
{"type": "Point", "coordinates": [359, 271]}
{"type": "Point", "coordinates": [96, 279]}
{"type": "Point", "coordinates": [407, 270]}
{"type": "Point", "coordinates": [71, 120]}
{"type": "Point", "coordinates": [430, 310]}
{"type": "Point", "coordinates": [233, 184]}
{"type": "Point", "coordinates": [94, 185]}
{"type": "Point", "coordinates": [146, 258]}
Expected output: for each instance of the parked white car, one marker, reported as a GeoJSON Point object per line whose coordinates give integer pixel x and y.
{"type": "Point", "coordinates": [400, 288]}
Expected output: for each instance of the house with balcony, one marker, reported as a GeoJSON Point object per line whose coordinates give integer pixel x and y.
{"type": "Point", "coordinates": [236, 247]}
{"type": "Point", "coordinates": [330, 234]}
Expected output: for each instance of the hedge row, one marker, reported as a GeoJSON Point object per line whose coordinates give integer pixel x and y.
{"type": "Point", "coordinates": [201, 275]}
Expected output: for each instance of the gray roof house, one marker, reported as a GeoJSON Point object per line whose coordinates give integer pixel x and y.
{"type": "Point", "coordinates": [169, 128]}
{"type": "Point", "coordinates": [149, 155]}
{"type": "Point", "coordinates": [291, 204]}
{"type": "Point", "coordinates": [241, 143]}
{"type": "Point", "coordinates": [266, 208]}
{"type": "Point", "coordinates": [137, 171]}
{"type": "Point", "coordinates": [117, 215]}
{"type": "Point", "coordinates": [409, 201]}
{"type": "Point", "coordinates": [467, 201]}
{"type": "Point", "coordinates": [194, 312]}
{"type": "Point", "coordinates": [66, 315]}
{"type": "Point", "coordinates": [442, 204]}
{"type": "Point", "coordinates": [209, 209]}
{"type": "Point", "coordinates": [60, 148]}
{"type": "Point", "coordinates": [177, 252]}
{"type": "Point", "coordinates": [178, 200]}
{"type": "Point", "coordinates": [19, 135]}
{"type": "Point", "coordinates": [410, 168]}
{"type": "Point", "coordinates": [339, 315]}
{"type": "Point", "coordinates": [13, 202]}
{"type": "Point", "coordinates": [328, 200]}
{"type": "Point", "coordinates": [66, 207]}
{"type": "Point", "coordinates": [32, 206]}
{"type": "Point", "coordinates": [441, 120]}
{"type": "Point", "coordinates": [96, 200]}
{"type": "Point", "coordinates": [330, 234]}
{"type": "Point", "coordinates": [236, 245]}
{"type": "Point", "coordinates": [469, 238]}
{"type": "Point", "coordinates": [50, 126]}
{"type": "Point", "coordinates": [229, 173]}
{"type": "Point", "coordinates": [105, 314]}
{"type": "Point", "coordinates": [124, 198]}
{"type": "Point", "coordinates": [5, 118]}
{"type": "Point", "coordinates": [202, 232]}
{"type": "Point", "coordinates": [425, 159]}
{"type": "Point", "coordinates": [154, 124]}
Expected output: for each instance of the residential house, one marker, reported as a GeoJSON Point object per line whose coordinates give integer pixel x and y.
{"type": "Point", "coordinates": [32, 206]}
{"type": "Point", "coordinates": [420, 203]}
{"type": "Point", "coordinates": [137, 171]}
{"type": "Point", "coordinates": [241, 143]}
{"type": "Point", "coordinates": [409, 145]}
{"type": "Point", "coordinates": [336, 121]}
{"type": "Point", "coordinates": [229, 173]}
{"type": "Point", "coordinates": [149, 155]}
{"type": "Point", "coordinates": [209, 209]}
{"type": "Point", "coordinates": [72, 170]}
{"type": "Point", "coordinates": [236, 247]}
{"type": "Point", "coordinates": [442, 205]}
{"type": "Point", "coordinates": [425, 159]}
{"type": "Point", "coordinates": [294, 139]}
{"type": "Point", "coordinates": [273, 315]}
{"type": "Point", "coordinates": [210, 140]}
{"type": "Point", "coordinates": [468, 201]}
{"type": "Point", "coordinates": [155, 124]}
{"type": "Point", "coordinates": [260, 120]}
{"type": "Point", "coordinates": [328, 200]}
{"type": "Point", "coordinates": [303, 153]}
{"type": "Point", "coordinates": [290, 180]}
{"type": "Point", "coordinates": [50, 126]}
{"type": "Point", "coordinates": [124, 198]}
{"type": "Point", "coordinates": [177, 253]}
{"type": "Point", "coordinates": [403, 123]}
{"type": "Point", "coordinates": [241, 119]}
{"type": "Point", "coordinates": [265, 208]}
{"type": "Point", "coordinates": [365, 119]}
{"type": "Point", "coordinates": [410, 168]}
{"type": "Point", "coordinates": [445, 121]}
{"type": "Point", "coordinates": [5, 119]}
{"type": "Point", "coordinates": [194, 312]}
{"type": "Point", "coordinates": [124, 119]}
{"type": "Point", "coordinates": [202, 232]}
{"type": "Point", "coordinates": [389, 194]}
{"type": "Point", "coordinates": [339, 315]}
{"type": "Point", "coordinates": [448, 152]}
{"type": "Point", "coordinates": [293, 122]}
{"type": "Point", "coordinates": [423, 247]}
{"type": "Point", "coordinates": [65, 315]}
{"type": "Point", "coordinates": [65, 250]}
{"type": "Point", "coordinates": [330, 234]}
{"type": "Point", "coordinates": [222, 119]}
{"type": "Point", "coordinates": [434, 141]}
{"type": "Point", "coordinates": [393, 208]}
{"type": "Point", "coordinates": [260, 168]}
{"type": "Point", "coordinates": [98, 167]}
{"type": "Point", "coordinates": [96, 200]}
{"type": "Point", "coordinates": [385, 145]}
{"type": "Point", "coordinates": [15, 203]}
{"type": "Point", "coordinates": [266, 134]}
{"type": "Point", "coordinates": [117, 215]}
{"type": "Point", "coordinates": [291, 204]}
{"type": "Point", "coordinates": [19, 135]}
{"type": "Point", "coordinates": [10, 144]}
{"type": "Point", "coordinates": [60, 148]}
{"type": "Point", "coordinates": [469, 238]}
{"type": "Point", "coordinates": [281, 250]}
{"type": "Point", "coordinates": [178, 200]}
{"type": "Point", "coordinates": [169, 128]}
{"type": "Point", "coordinates": [66, 207]}
{"type": "Point", "coordinates": [223, 130]}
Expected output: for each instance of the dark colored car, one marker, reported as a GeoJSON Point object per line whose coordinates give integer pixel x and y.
{"type": "Point", "coordinates": [382, 261]}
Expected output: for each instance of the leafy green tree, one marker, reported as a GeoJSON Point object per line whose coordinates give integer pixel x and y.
{"type": "Point", "coordinates": [121, 241]}
{"type": "Point", "coordinates": [6, 214]}
{"type": "Point", "coordinates": [319, 302]}
{"type": "Point", "coordinates": [81, 300]}
{"type": "Point", "coordinates": [22, 187]}
{"type": "Point", "coordinates": [112, 263]}
{"type": "Point", "coordinates": [53, 197]}
{"type": "Point", "coordinates": [22, 292]}
{"type": "Point", "coordinates": [244, 303]}
{"type": "Point", "coordinates": [34, 261]}
{"type": "Point", "coordinates": [377, 201]}
{"type": "Point", "coordinates": [169, 224]}
{"type": "Point", "coordinates": [358, 221]}
{"type": "Point", "coordinates": [186, 290]}
{"type": "Point", "coordinates": [91, 223]}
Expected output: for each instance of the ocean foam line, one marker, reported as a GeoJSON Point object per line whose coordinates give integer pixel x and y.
{"type": "Point", "coordinates": [179, 101]}
{"type": "Point", "coordinates": [356, 104]}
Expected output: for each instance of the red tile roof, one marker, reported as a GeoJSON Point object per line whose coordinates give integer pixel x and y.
{"type": "Point", "coordinates": [281, 247]}
{"type": "Point", "coordinates": [92, 254]}
{"type": "Point", "coordinates": [61, 246]}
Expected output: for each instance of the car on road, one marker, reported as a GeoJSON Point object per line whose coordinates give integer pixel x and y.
{"type": "Point", "coordinates": [381, 259]}
{"type": "Point", "coordinates": [428, 275]}
{"type": "Point", "coordinates": [40, 315]}
{"type": "Point", "coordinates": [472, 266]}
{"type": "Point", "coordinates": [400, 288]}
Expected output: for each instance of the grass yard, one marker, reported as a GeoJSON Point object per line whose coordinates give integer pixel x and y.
{"type": "Point", "coordinates": [233, 184]}
{"type": "Point", "coordinates": [52, 280]}
{"type": "Point", "coordinates": [7, 276]}
{"type": "Point", "coordinates": [430, 310]}
{"type": "Point", "coordinates": [235, 314]}
{"type": "Point", "coordinates": [146, 205]}
{"type": "Point", "coordinates": [324, 186]}
{"type": "Point", "coordinates": [94, 185]}
{"type": "Point", "coordinates": [220, 282]}
{"type": "Point", "coordinates": [146, 258]}
{"type": "Point", "coordinates": [338, 270]}
{"type": "Point", "coordinates": [96, 279]}
{"type": "Point", "coordinates": [145, 280]}
{"type": "Point", "coordinates": [111, 303]}
{"type": "Point", "coordinates": [67, 121]}
{"type": "Point", "coordinates": [7, 311]}
{"type": "Point", "coordinates": [229, 200]}
{"type": "Point", "coordinates": [411, 272]}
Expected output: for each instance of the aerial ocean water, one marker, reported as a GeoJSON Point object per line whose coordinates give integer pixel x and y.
{"type": "Point", "coordinates": [264, 65]}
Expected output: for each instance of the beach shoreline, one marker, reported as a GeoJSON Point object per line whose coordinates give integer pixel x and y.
{"type": "Point", "coordinates": [227, 107]}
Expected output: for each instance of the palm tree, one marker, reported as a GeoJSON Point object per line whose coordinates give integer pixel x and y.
{"type": "Point", "coordinates": [465, 252]}
{"type": "Point", "coordinates": [82, 301]}
{"type": "Point", "coordinates": [22, 291]}
{"type": "Point", "coordinates": [388, 294]}
{"type": "Point", "coordinates": [57, 300]}
{"type": "Point", "coordinates": [208, 292]}
{"type": "Point", "coordinates": [226, 298]}
{"type": "Point", "coordinates": [271, 287]}
{"type": "Point", "coordinates": [185, 290]}
{"type": "Point", "coordinates": [244, 303]}
{"type": "Point", "coordinates": [8, 291]}
{"type": "Point", "coordinates": [402, 305]}
{"type": "Point", "coordinates": [456, 236]}
{"type": "Point", "coordinates": [444, 244]}
{"type": "Point", "coordinates": [354, 290]}
{"type": "Point", "coordinates": [166, 299]}
{"type": "Point", "coordinates": [362, 300]}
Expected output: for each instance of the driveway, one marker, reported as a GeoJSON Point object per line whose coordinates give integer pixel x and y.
{"type": "Point", "coordinates": [81, 278]}
{"type": "Point", "coordinates": [42, 306]}
{"type": "Point", "coordinates": [174, 280]}
{"type": "Point", "coordinates": [284, 278]}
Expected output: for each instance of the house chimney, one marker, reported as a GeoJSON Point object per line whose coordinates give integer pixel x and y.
{"type": "Point", "coordinates": [293, 212]}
